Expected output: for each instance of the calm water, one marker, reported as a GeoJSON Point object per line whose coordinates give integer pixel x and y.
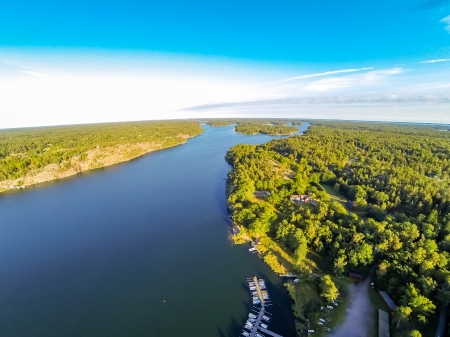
{"type": "Point", "coordinates": [138, 249]}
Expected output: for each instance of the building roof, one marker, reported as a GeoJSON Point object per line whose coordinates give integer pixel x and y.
{"type": "Point", "coordinates": [383, 323]}
{"type": "Point", "coordinates": [355, 275]}
{"type": "Point", "coordinates": [388, 300]}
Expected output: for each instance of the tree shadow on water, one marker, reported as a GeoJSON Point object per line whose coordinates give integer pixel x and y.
{"type": "Point", "coordinates": [234, 329]}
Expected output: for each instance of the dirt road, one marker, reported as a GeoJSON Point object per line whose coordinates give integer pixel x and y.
{"type": "Point", "coordinates": [359, 314]}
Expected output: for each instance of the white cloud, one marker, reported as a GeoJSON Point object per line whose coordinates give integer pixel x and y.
{"type": "Point", "coordinates": [372, 77]}
{"type": "Point", "coordinates": [51, 96]}
{"type": "Point", "coordinates": [321, 74]}
{"type": "Point", "coordinates": [446, 20]}
{"type": "Point", "coordinates": [36, 74]}
{"type": "Point", "coordinates": [435, 61]}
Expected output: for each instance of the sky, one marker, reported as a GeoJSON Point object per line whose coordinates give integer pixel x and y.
{"type": "Point", "coordinates": [71, 62]}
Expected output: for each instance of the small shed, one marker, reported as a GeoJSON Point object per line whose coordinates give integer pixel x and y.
{"type": "Point", "coordinates": [388, 300]}
{"type": "Point", "coordinates": [355, 276]}
{"type": "Point", "coordinates": [383, 323]}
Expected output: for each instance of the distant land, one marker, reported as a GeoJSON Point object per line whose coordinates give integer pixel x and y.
{"type": "Point", "coordinates": [30, 156]}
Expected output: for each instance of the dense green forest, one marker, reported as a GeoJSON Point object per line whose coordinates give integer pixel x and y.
{"type": "Point", "coordinates": [269, 129]}
{"type": "Point", "coordinates": [24, 150]}
{"type": "Point", "coordinates": [275, 127]}
{"type": "Point", "coordinates": [396, 178]}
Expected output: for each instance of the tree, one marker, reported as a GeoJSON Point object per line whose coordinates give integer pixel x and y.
{"type": "Point", "coordinates": [414, 333]}
{"type": "Point", "coordinates": [329, 290]}
{"type": "Point", "coordinates": [339, 265]}
{"type": "Point", "coordinates": [402, 314]}
{"type": "Point", "coordinates": [420, 305]}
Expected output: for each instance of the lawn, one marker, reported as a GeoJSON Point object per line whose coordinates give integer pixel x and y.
{"type": "Point", "coordinates": [335, 195]}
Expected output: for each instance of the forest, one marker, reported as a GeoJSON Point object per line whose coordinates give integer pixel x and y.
{"type": "Point", "coordinates": [28, 149]}
{"type": "Point", "coordinates": [273, 127]}
{"type": "Point", "coordinates": [394, 215]}
{"type": "Point", "coordinates": [269, 129]}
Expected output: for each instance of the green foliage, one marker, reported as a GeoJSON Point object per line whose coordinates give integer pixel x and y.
{"type": "Point", "coordinates": [254, 128]}
{"type": "Point", "coordinates": [329, 290]}
{"type": "Point", "coordinates": [420, 306]}
{"type": "Point", "coordinates": [25, 150]}
{"type": "Point", "coordinates": [257, 218]}
{"type": "Point", "coordinates": [387, 169]}
{"type": "Point", "coordinates": [306, 304]}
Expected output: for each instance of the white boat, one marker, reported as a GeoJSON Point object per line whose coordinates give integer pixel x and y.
{"type": "Point", "coordinates": [252, 288]}
{"type": "Point", "coordinates": [252, 320]}
{"type": "Point", "coordinates": [266, 318]}
{"type": "Point", "coordinates": [265, 326]}
{"type": "Point", "coordinates": [245, 333]}
{"type": "Point", "coordinates": [251, 315]}
{"type": "Point", "coordinates": [248, 323]}
{"type": "Point", "coordinates": [252, 249]}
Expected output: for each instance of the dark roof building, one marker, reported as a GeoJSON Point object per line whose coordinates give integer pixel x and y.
{"type": "Point", "coordinates": [383, 323]}
{"type": "Point", "coordinates": [388, 300]}
{"type": "Point", "coordinates": [355, 275]}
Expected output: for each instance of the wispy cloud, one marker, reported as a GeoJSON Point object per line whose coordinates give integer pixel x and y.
{"type": "Point", "coordinates": [295, 78]}
{"type": "Point", "coordinates": [446, 21]}
{"type": "Point", "coordinates": [435, 61]}
{"type": "Point", "coordinates": [374, 99]}
{"type": "Point", "coordinates": [36, 74]}
{"type": "Point", "coordinates": [371, 77]}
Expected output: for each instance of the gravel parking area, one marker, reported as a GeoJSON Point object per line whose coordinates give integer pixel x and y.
{"type": "Point", "coordinates": [359, 314]}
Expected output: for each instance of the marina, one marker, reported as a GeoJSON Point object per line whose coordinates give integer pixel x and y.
{"type": "Point", "coordinates": [261, 299]}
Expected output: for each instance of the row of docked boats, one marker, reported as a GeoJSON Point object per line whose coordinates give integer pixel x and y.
{"type": "Point", "coordinates": [250, 324]}
{"type": "Point", "coordinates": [258, 317]}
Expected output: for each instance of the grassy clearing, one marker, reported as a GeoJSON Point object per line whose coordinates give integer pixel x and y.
{"type": "Point", "coordinates": [269, 246]}
{"type": "Point", "coordinates": [335, 195]}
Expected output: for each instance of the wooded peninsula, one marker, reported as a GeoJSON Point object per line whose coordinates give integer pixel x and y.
{"type": "Point", "coordinates": [272, 127]}
{"type": "Point", "coordinates": [346, 197]}
{"type": "Point", "coordinates": [34, 155]}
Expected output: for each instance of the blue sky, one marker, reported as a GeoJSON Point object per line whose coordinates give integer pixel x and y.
{"type": "Point", "coordinates": [234, 58]}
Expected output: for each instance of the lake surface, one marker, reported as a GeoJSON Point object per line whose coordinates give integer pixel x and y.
{"type": "Point", "coordinates": [138, 249]}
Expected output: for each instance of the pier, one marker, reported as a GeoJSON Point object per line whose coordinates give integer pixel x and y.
{"type": "Point", "coordinates": [256, 325]}
{"type": "Point", "coordinates": [269, 332]}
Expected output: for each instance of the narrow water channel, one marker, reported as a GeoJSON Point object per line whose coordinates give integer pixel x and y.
{"type": "Point", "coordinates": [138, 249]}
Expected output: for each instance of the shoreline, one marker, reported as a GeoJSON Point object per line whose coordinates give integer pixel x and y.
{"type": "Point", "coordinates": [53, 172]}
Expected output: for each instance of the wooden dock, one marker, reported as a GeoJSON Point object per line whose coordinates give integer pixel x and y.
{"type": "Point", "coordinates": [269, 332]}
{"type": "Point", "coordinates": [257, 326]}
